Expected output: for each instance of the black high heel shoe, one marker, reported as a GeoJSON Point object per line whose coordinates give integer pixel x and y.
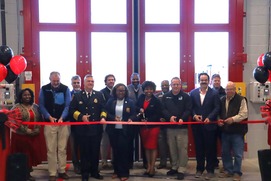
{"type": "Point", "coordinates": [146, 173]}
{"type": "Point", "coordinates": [152, 173]}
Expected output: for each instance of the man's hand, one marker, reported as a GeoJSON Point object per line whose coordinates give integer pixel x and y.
{"type": "Point", "coordinates": [85, 118]}
{"type": "Point", "coordinates": [207, 120]}
{"type": "Point", "coordinates": [173, 119]}
{"type": "Point", "coordinates": [220, 122]}
{"type": "Point", "coordinates": [52, 119]}
{"type": "Point", "coordinates": [60, 120]}
{"type": "Point", "coordinates": [198, 118]}
{"type": "Point", "coordinates": [229, 121]}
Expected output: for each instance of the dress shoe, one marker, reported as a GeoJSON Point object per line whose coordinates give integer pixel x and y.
{"type": "Point", "coordinates": [63, 176]}
{"type": "Point", "coordinates": [172, 172]}
{"type": "Point", "coordinates": [52, 178]}
{"type": "Point", "coordinates": [97, 176]}
{"type": "Point", "coordinates": [180, 176]}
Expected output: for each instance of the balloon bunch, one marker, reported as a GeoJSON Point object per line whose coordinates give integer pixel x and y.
{"type": "Point", "coordinates": [10, 66]}
{"type": "Point", "coordinates": [262, 72]}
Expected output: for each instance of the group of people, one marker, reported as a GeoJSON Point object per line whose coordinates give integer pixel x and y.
{"type": "Point", "coordinates": [138, 103]}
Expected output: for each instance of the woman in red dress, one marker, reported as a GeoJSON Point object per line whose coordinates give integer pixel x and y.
{"type": "Point", "coordinates": [150, 110]}
{"type": "Point", "coordinates": [26, 139]}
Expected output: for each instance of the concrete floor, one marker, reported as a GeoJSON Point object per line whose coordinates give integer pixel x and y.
{"type": "Point", "coordinates": [250, 173]}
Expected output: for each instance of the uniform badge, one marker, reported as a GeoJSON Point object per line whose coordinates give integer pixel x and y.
{"type": "Point", "coordinates": [128, 110]}
{"type": "Point", "coordinates": [80, 102]}
{"type": "Point", "coordinates": [95, 101]}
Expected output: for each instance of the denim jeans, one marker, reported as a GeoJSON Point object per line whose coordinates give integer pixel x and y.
{"type": "Point", "coordinates": [232, 146]}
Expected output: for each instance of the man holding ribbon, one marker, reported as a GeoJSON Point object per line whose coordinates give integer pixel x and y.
{"type": "Point", "coordinates": [88, 106]}
{"type": "Point", "coordinates": [54, 100]}
{"type": "Point", "coordinates": [177, 108]}
{"type": "Point", "coordinates": [234, 110]}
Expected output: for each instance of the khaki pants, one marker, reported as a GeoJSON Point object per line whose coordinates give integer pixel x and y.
{"type": "Point", "coordinates": [56, 138]}
{"type": "Point", "coordinates": [178, 143]}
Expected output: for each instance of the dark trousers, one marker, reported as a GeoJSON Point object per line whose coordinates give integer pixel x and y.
{"type": "Point", "coordinates": [74, 143]}
{"type": "Point", "coordinates": [89, 152]}
{"type": "Point", "coordinates": [205, 143]}
{"type": "Point", "coordinates": [121, 151]}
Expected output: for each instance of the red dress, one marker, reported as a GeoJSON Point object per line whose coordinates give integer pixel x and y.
{"type": "Point", "coordinates": [27, 144]}
{"type": "Point", "coordinates": [149, 135]}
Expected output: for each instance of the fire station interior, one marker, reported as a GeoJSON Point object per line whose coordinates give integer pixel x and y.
{"type": "Point", "coordinates": [156, 38]}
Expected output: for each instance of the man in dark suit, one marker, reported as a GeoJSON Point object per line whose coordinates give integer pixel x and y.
{"type": "Point", "coordinates": [88, 106]}
{"type": "Point", "coordinates": [76, 85]}
{"type": "Point", "coordinates": [109, 81]}
{"type": "Point", "coordinates": [216, 85]}
{"type": "Point", "coordinates": [206, 106]}
{"type": "Point", "coordinates": [135, 90]}
{"type": "Point", "coordinates": [162, 139]}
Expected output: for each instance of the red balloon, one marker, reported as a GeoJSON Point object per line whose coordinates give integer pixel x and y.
{"type": "Point", "coordinates": [260, 60]}
{"type": "Point", "coordinates": [17, 64]}
{"type": "Point", "coordinates": [3, 72]}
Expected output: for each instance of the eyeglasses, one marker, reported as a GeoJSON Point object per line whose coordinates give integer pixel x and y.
{"type": "Point", "coordinates": [76, 83]}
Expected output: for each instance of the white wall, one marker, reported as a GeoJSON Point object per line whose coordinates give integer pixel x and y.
{"type": "Point", "coordinates": [255, 42]}
{"type": "Point", "coordinates": [14, 29]}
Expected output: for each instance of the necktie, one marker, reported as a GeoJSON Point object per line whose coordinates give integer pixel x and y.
{"type": "Point", "coordinates": [89, 95]}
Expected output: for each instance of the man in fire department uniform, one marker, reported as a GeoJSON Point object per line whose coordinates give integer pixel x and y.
{"type": "Point", "coordinates": [88, 106]}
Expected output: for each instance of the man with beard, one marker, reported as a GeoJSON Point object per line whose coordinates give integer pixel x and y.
{"type": "Point", "coordinates": [109, 81]}
{"type": "Point", "coordinates": [135, 90]}
{"type": "Point", "coordinates": [205, 109]}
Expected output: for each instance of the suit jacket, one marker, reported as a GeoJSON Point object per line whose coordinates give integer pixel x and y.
{"type": "Point", "coordinates": [209, 109]}
{"type": "Point", "coordinates": [128, 112]}
{"type": "Point", "coordinates": [106, 93]}
{"type": "Point", "coordinates": [94, 106]}
{"type": "Point", "coordinates": [132, 94]}
{"type": "Point", "coordinates": [153, 112]}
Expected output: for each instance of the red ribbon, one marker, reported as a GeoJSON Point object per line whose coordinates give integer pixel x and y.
{"type": "Point", "coordinates": [134, 123]}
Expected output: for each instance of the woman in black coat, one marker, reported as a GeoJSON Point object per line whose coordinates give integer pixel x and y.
{"type": "Point", "coordinates": [120, 108]}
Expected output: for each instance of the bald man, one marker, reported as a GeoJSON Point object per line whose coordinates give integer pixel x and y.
{"type": "Point", "coordinates": [233, 111]}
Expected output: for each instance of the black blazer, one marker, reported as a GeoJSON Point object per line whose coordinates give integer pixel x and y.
{"type": "Point", "coordinates": [209, 109]}
{"type": "Point", "coordinates": [153, 112]}
{"type": "Point", "coordinates": [127, 113]}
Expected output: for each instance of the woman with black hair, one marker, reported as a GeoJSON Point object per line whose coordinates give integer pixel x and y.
{"type": "Point", "coordinates": [120, 108]}
{"type": "Point", "coordinates": [149, 110]}
{"type": "Point", "coordinates": [26, 138]}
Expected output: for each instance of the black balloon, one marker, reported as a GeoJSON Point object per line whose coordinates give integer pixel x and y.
{"type": "Point", "coordinates": [267, 60]}
{"type": "Point", "coordinates": [6, 54]}
{"type": "Point", "coordinates": [11, 76]}
{"type": "Point", "coordinates": [261, 74]}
